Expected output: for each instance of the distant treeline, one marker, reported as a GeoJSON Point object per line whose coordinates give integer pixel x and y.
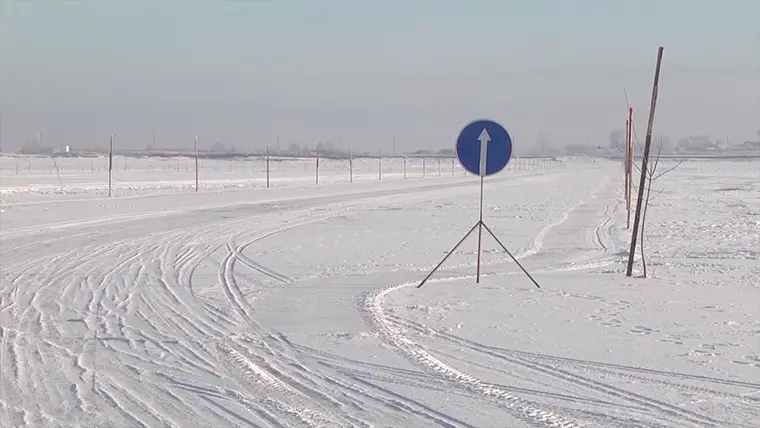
{"type": "Point", "coordinates": [220, 151]}
{"type": "Point", "coordinates": [229, 156]}
{"type": "Point", "coordinates": [225, 155]}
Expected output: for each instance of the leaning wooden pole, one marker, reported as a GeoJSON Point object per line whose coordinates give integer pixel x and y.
{"type": "Point", "coordinates": [644, 161]}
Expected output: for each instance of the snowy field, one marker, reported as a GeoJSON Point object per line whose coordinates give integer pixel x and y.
{"type": "Point", "coordinates": [296, 306]}
{"type": "Point", "coordinates": [23, 178]}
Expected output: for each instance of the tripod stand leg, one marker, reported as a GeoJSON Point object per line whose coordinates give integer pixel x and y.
{"type": "Point", "coordinates": [449, 254]}
{"type": "Point", "coordinates": [510, 255]}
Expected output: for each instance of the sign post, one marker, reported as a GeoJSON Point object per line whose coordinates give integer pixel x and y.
{"type": "Point", "coordinates": [483, 148]}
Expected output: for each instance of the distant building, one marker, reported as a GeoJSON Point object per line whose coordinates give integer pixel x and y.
{"type": "Point", "coordinates": [62, 150]}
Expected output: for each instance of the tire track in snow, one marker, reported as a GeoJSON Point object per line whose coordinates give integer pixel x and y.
{"type": "Point", "coordinates": [603, 247]}
{"type": "Point", "coordinates": [279, 346]}
{"type": "Point", "coordinates": [163, 273]}
{"type": "Point", "coordinates": [165, 295]}
{"type": "Point", "coordinates": [345, 380]}
{"type": "Point", "coordinates": [275, 381]}
{"type": "Point", "coordinates": [534, 364]}
{"type": "Point", "coordinates": [391, 334]}
{"type": "Point", "coordinates": [4, 398]}
{"type": "Point", "coordinates": [391, 400]}
{"type": "Point", "coordinates": [106, 286]}
{"type": "Point", "coordinates": [209, 393]}
{"type": "Point", "coordinates": [536, 245]}
{"type": "Point", "coordinates": [96, 298]}
{"type": "Point", "coordinates": [100, 286]}
{"type": "Point", "coordinates": [289, 402]}
{"type": "Point", "coordinates": [32, 313]}
{"type": "Point", "coordinates": [413, 407]}
{"type": "Point", "coordinates": [31, 317]}
{"type": "Point", "coordinates": [391, 329]}
{"type": "Point", "coordinates": [262, 269]}
{"type": "Point", "coordinates": [598, 230]}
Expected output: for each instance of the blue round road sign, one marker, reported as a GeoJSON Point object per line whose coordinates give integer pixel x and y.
{"type": "Point", "coordinates": [484, 147]}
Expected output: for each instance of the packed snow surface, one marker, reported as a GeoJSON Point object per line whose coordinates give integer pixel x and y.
{"type": "Point", "coordinates": [297, 306]}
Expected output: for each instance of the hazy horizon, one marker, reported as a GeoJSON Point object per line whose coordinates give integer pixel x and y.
{"type": "Point", "coordinates": [356, 74]}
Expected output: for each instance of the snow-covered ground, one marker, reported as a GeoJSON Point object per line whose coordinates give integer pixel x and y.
{"type": "Point", "coordinates": [23, 178]}
{"type": "Point", "coordinates": [297, 306]}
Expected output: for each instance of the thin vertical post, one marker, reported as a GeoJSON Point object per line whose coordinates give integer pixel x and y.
{"type": "Point", "coordinates": [439, 166]}
{"type": "Point", "coordinates": [644, 161]}
{"type": "Point", "coordinates": [196, 164]}
{"type": "Point", "coordinates": [350, 166]}
{"type": "Point", "coordinates": [404, 167]}
{"type": "Point", "coordinates": [316, 168]}
{"type": "Point", "coordinates": [110, 164]}
{"type": "Point", "coordinates": [267, 161]}
{"type": "Point", "coordinates": [424, 167]}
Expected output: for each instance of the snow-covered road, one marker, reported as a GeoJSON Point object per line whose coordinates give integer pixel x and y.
{"type": "Point", "coordinates": [296, 306]}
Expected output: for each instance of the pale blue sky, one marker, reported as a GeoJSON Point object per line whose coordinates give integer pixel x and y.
{"type": "Point", "coordinates": [359, 72]}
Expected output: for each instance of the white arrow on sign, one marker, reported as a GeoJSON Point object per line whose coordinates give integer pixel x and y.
{"type": "Point", "coordinates": [484, 139]}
